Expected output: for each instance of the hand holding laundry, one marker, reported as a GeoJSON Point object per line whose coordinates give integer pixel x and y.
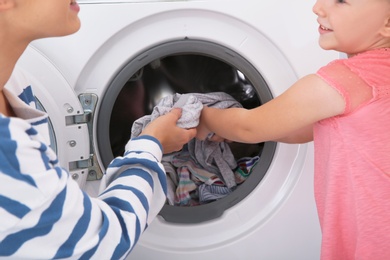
{"type": "Point", "coordinates": [165, 129]}
{"type": "Point", "coordinates": [211, 156]}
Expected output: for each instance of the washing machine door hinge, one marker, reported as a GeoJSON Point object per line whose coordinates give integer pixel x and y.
{"type": "Point", "coordinates": [88, 102]}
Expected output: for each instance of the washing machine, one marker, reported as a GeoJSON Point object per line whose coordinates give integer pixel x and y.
{"type": "Point", "coordinates": [129, 54]}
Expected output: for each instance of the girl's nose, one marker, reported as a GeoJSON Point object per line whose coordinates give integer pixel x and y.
{"type": "Point", "coordinates": [317, 8]}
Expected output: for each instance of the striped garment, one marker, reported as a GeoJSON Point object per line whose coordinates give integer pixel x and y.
{"type": "Point", "coordinates": [43, 212]}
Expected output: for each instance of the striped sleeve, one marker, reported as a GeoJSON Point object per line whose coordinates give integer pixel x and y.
{"type": "Point", "coordinates": [43, 212]}
{"type": "Point", "coordinates": [45, 215]}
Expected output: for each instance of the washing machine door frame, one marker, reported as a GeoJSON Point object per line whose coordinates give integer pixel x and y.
{"type": "Point", "coordinates": [70, 116]}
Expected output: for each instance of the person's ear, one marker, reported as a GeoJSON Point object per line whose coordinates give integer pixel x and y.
{"type": "Point", "coordinates": [6, 4]}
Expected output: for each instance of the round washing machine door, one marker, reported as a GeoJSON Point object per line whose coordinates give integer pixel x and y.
{"type": "Point", "coordinates": [180, 67]}
{"type": "Point", "coordinates": [68, 117]}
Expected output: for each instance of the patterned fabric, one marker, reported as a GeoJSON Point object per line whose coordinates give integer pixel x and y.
{"type": "Point", "coordinates": [244, 168]}
{"type": "Point", "coordinates": [43, 212]}
{"type": "Point", "coordinates": [187, 176]}
{"type": "Point", "coordinates": [352, 160]}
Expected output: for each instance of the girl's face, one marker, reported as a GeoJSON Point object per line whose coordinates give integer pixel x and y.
{"type": "Point", "coordinates": [353, 26]}
{"type": "Point", "coordinates": [46, 18]}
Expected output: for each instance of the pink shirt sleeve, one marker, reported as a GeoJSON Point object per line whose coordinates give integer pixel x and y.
{"type": "Point", "coordinates": [351, 87]}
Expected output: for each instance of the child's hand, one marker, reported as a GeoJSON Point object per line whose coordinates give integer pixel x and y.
{"type": "Point", "coordinates": [171, 137]}
{"type": "Point", "coordinates": [202, 132]}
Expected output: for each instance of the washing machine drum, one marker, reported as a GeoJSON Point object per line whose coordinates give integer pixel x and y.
{"type": "Point", "coordinates": [173, 74]}
{"type": "Point", "coordinates": [192, 74]}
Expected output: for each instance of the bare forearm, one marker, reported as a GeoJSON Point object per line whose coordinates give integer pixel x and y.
{"type": "Point", "coordinates": [300, 136]}
{"type": "Point", "coordinates": [286, 118]}
{"type": "Point", "coordinates": [231, 124]}
{"type": "Point", "coordinates": [250, 126]}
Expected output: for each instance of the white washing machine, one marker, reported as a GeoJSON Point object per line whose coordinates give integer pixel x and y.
{"type": "Point", "coordinates": [128, 54]}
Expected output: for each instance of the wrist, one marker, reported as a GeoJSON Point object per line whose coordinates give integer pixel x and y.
{"type": "Point", "coordinates": [145, 143]}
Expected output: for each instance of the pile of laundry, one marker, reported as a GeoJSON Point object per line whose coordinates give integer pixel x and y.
{"type": "Point", "coordinates": [203, 171]}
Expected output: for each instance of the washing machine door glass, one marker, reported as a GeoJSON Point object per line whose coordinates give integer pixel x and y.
{"type": "Point", "coordinates": [68, 118]}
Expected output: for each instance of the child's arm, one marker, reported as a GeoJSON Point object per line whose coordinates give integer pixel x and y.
{"type": "Point", "coordinates": [287, 118]}
{"type": "Point", "coordinates": [300, 136]}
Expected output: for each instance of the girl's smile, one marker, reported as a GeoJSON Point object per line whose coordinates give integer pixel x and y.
{"type": "Point", "coordinates": [322, 29]}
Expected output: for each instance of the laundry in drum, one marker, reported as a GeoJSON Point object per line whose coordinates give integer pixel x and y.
{"type": "Point", "coordinates": [203, 171]}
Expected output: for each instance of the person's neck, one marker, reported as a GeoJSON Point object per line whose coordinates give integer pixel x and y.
{"type": "Point", "coordinates": [5, 73]}
{"type": "Point", "coordinates": [5, 107]}
{"type": "Point", "coordinates": [9, 55]}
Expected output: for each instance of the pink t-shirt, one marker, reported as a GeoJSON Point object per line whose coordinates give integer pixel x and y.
{"type": "Point", "coordinates": [352, 160]}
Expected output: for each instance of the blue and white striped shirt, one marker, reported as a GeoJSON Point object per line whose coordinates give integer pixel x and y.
{"type": "Point", "coordinates": [43, 212]}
